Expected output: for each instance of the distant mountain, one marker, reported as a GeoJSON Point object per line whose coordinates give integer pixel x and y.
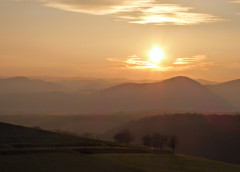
{"type": "Point", "coordinates": [90, 85]}
{"type": "Point", "coordinates": [178, 94]}
{"type": "Point", "coordinates": [230, 91]}
{"type": "Point", "coordinates": [26, 85]}
{"type": "Point", "coordinates": [175, 95]}
{"type": "Point", "coordinates": [206, 82]}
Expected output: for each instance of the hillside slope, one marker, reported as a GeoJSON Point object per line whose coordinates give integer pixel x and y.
{"type": "Point", "coordinates": [26, 85]}
{"type": "Point", "coordinates": [210, 136]}
{"type": "Point", "coordinates": [15, 135]}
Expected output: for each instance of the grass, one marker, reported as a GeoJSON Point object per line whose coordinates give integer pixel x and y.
{"type": "Point", "coordinates": [72, 161]}
{"type": "Point", "coordinates": [32, 150]}
{"type": "Point", "coordinates": [170, 163]}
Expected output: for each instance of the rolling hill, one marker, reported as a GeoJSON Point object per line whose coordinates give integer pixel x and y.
{"type": "Point", "coordinates": [74, 162]}
{"type": "Point", "coordinates": [210, 136]}
{"type": "Point", "coordinates": [206, 82]}
{"type": "Point", "coordinates": [14, 135]}
{"type": "Point", "coordinates": [90, 85]}
{"type": "Point", "coordinates": [33, 158]}
{"type": "Point", "coordinates": [26, 85]}
{"type": "Point", "coordinates": [87, 125]}
{"type": "Point", "coordinates": [228, 91]}
{"type": "Point", "coordinates": [178, 94]}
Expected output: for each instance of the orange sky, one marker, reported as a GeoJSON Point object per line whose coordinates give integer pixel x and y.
{"type": "Point", "coordinates": [112, 38]}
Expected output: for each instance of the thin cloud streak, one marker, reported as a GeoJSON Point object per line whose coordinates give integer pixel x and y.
{"type": "Point", "coordinates": [178, 64]}
{"type": "Point", "coordinates": [236, 2]}
{"type": "Point", "coordinates": [165, 14]}
{"type": "Point", "coordinates": [133, 62]}
{"type": "Point", "coordinates": [135, 11]}
{"type": "Point", "coordinates": [199, 61]}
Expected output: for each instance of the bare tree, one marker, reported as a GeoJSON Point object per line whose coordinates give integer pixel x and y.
{"type": "Point", "coordinates": [123, 137]}
{"type": "Point", "coordinates": [173, 143]}
{"type": "Point", "coordinates": [147, 140]}
{"type": "Point", "coordinates": [159, 141]}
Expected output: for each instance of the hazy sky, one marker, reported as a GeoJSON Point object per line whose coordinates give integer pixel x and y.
{"type": "Point", "coordinates": [113, 38]}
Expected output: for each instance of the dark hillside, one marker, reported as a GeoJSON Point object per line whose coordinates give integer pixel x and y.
{"type": "Point", "coordinates": [214, 137]}
{"type": "Point", "coordinates": [18, 135]}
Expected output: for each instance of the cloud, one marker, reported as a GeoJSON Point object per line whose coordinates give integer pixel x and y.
{"type": "Point", "coordinates": [165, 14]}
{"type": "Point", "coordinates": [236, 2]}
{"type": "Point", "coordinates": [199, 61]}
{"type": "Point", "coordinates": [135, 11]}
{"type": "Point", "coordinates": [178, 64]}
{"type": "Point", "coordinates": [134, 62]}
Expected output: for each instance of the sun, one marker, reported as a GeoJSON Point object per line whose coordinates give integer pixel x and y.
{"type": "Point", "coordinates": [156, 55]}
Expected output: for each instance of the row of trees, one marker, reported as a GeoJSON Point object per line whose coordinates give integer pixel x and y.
{"type": "Point", "coordinates": [157, 141]}
{"type": "Point", "coordinates": [160, 142]}
{"type": "Point", "coordinates": [123, 137]}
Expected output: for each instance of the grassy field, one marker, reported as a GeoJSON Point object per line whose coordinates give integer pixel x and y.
{"type": "Point", "coordinates": [32, 150]}
{"type": "Point", "coordinates": [71, 162]}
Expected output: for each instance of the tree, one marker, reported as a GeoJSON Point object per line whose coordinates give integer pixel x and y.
{"type": "Point", "coordinates": [159, 141]}
{"type": "Point", "coordinates": [123, 137]}
{"type": "Point", "coordinates": [172, 143]}
{"type": "Point", "coordinates": [147, 140]}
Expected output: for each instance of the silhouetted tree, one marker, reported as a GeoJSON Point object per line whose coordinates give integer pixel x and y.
{"type": "Point", "coordinates": [173, 143]}
{"type": "Point", "coordinates": [147, 140]}
{"type": "Point", "coordinates": [159, 141]}
{"type": "Point", "coordinates": [123, 137]}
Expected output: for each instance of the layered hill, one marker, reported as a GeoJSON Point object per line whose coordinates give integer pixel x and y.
{"type": "Point", "coordinates": [26, 85]}
{"type": "Point", "coordinates": [229, 91]}
{"type": "Point", "coordinates": [210, 136]}
{"type": "Point", "coordinates": [90, 85]}
{"type": "Point", "coordinates": [179, 94]}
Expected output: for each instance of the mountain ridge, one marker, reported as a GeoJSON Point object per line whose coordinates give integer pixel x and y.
{"type": "Point", "coordinates": [25, 85]}
{"type": "Point", "coordinates": [177, 94]}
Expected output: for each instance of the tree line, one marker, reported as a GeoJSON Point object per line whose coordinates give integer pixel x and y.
{"type": "Point", "coordinates": [158, 142]}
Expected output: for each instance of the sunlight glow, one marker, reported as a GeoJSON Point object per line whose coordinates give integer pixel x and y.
{"type": "Point", "coordinates": [156, 55]}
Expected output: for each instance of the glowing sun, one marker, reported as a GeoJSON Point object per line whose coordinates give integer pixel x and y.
{"type": "Point", "coordinates": [156, 55]}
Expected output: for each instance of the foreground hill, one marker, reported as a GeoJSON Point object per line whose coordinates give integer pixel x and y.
{"type": "Point", "coordinates": [210, 136]}
{"type": "Point", "coordinates": [14, 135]}
{"type": "Point", "coordinates": [87, 125]}
{"type": "Point", "coordinates": [74, 162]}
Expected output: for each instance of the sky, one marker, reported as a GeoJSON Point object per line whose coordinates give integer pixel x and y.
{"type": "Point", "coordinates": [134, 39]}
